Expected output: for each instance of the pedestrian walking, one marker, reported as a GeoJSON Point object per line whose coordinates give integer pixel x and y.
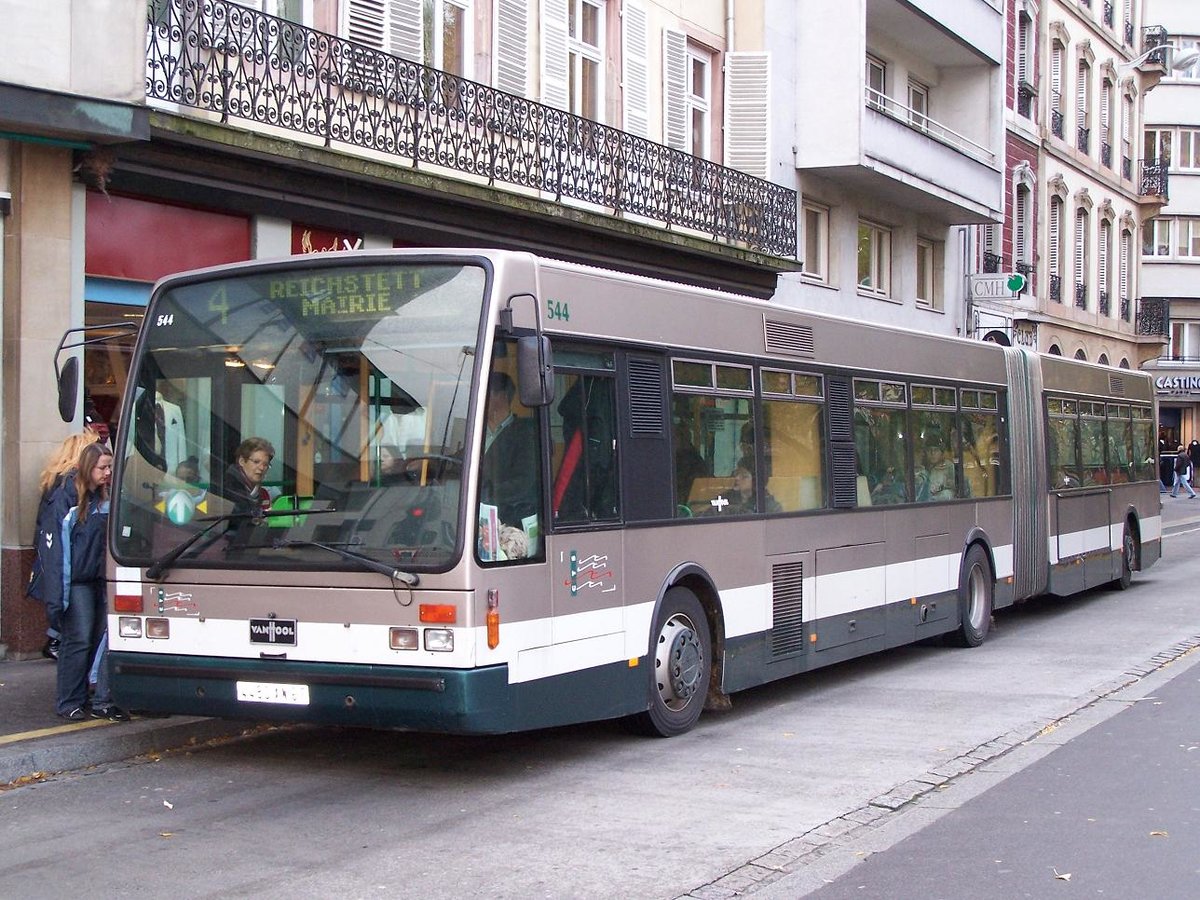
{"type": "Point", "coordinates": [57, 484]}
{"type": "Point", "coordinates": [1183, 469]}
{"type": "Point", "coordinates": [85, 621]}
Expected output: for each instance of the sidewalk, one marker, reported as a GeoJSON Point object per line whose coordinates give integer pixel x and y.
{"type": "Point", "coordinates": [33, 739]}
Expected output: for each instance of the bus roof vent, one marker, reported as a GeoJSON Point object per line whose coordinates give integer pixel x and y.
{"type": "Point", "coordinates": [787, 606]}
{"type": "Point", "coordinates": [784, 337]}
{"type": "Point", "coordinates": [1116, 385]}
{"type": "Point", "coordinates": [647, 417]}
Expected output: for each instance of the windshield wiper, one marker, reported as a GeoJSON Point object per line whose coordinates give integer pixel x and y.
{"type": "Point", "coordinates": [409, 578]}
{"type": "Point", "coordinates": [159, 567]}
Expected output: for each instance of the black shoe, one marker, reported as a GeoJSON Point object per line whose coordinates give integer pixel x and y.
{"type": "Point", "coordinates": [76, 715]}
{"type": "Point", "coordinates": [50, 651]}
{"type": "Point", "coordinates": [112, 712]}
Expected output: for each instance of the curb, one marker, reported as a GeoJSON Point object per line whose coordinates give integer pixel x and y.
{"type": "Point", "coordinates": [110, 743]}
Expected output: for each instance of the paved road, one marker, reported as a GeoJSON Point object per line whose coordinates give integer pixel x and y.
{"type": "Point", "coordinates": [767, 798]}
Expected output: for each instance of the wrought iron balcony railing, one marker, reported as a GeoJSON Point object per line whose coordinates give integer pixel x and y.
{"type": "Point", "coordinates": [1104, 304]}
{"type": "Point", "coordinates": [1126, 167]}
{"type": "Point", "coordinates": [1025, 94]}
{"type": "Point", "coordinates": [1083, 138]}
{"type": "Point", "coordinates": [1056, 288]}
{"type": "Point", "coordinates": [1106, 154]}
{"type": "Point", "coordinates": [240, 64]}
{"type": "Point", "coordinates": [1128, 33]}
{"type": "Point", "coordinates": [1126, 308]}
{"type": "Point", "coordinates": [1108, 14]}
{"type": "Point", "coordinates": [1056, 115]}
{"type": "Point", "coordinates": [1154, 178]}
{"type": "Point", "coordinates": [1155, 36]}
{"type": "Point", "coordinates": [1028, 271]}
{"type": "Point", "coordinates": [991, 263]}
{"type": "Point", "coordinates": [1152, 317]}
{"type": "Point", "coordinates": [1081, 295]}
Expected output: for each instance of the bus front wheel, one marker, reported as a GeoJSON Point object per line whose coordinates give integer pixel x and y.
{"type": "Point", "coordinates": [679, 663]}
{"type": "Point", "coordinates": [975, 590]}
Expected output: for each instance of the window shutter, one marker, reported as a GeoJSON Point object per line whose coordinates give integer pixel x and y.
{"type": "Point", "coordinates": [1126, 246]}
{"type": "Point", "coordinates": [635, 71]}
{"type": "Point", "coordinates": [405, 35]}
{"type": "Point", "coordinates": [512, 48]}
{"type": "Point", "coordinates": [367, 22]}
{"type": "Point", "coordinates": [1021, 226]}
{"type": "Point", "coordinates": [989, 238]}
{"type": "Point", "coordinates": [1055, 236]}
{"type": "Point", "coordinates": [1105, 100]}
{"type": "Point", "coordinates": [554, 54]}
{"type": "Point", "coordinates": [747, 108]}
{"type": "Point", "coordinates": [1081, 92]}
{"type": "Point", "coordinates": [675, 89]}
{"type": "Point", "coordinates": [1080, 244]}
{"type": "Point", "coordinates": [1102, 255]}
{"type": "Point", "coordinates": [1056, 56]}
{"type": "Point", "coordinates": [1023, 49]}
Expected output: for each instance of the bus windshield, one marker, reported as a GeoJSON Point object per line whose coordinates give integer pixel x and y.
{"type": "Point", "coordinates": [339, 394]}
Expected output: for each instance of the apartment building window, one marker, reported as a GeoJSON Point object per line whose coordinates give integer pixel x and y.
{"type": "Point", "coordinates": [918, 104]}
{"type": "Point", "coordinates": [1082, 256]}
{"type": "Point", "coordinates": [699, 100]}
{"type": "Point", "coordinates": [876, 83]}
{"type": "Point", "coordinates": [1023, 227]}
{"type": "Point", "coordinates": [1126, 136]}
{"type": "Point", "coordinates": [434, 32]}
{"type": "Point", "coordinates": [874, 259]}
{"type": "Point", "coordinates": [1025, 88]}
{"type": "Point", "coordinates": [1191, 73]}
{"type": "Point", "coordinates": [1188, 155]}
{"type": "Point", "coordinates": [1185, 341]}
{"type": "Point", "coordinates": [1125, 268]}
{"type": "Point", "coordinates": [1108, 114]}
{"type": "Point", "coordinates": [585, 58]}
{"type": "Point", "coordinates": [930, 255]}
{"type": "Point", "coordinates": [1105, 257]}
{"type": "Point", "coordinates": [1083, 106]}
{"type": "Point", "coordinates": [1187, 231]}
{"type": "Point", "coordinates": [1057, 52]}
{"type": "Point", "coordinates": [447, 26]}
{"type": "Point", "coordinates": [816, 241]}
{"type": "Point", "coordinates": [1054, 248]}
{"type": "Point", "coordinates": [1156, 145]}
{"type": "Point", "coordinates": [1156, 237]}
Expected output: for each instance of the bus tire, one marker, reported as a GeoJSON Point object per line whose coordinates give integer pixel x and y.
{"type": "Point", "coordinates": [679, 662]}
{"type": "Point", "coordinates": [976, 589]}
{"type": "Point", "coordinates": [1129, 556]}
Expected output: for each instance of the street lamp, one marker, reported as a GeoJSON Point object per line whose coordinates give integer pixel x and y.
{"type": "Point", "coordinates": [1179, 60]}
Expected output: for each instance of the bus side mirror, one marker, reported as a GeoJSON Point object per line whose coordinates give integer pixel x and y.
{"type": "Point", "coordinates": [535, 370]}
{"type": "Point", "coordinates": [68, 389]}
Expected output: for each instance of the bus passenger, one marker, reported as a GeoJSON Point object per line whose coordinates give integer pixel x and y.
{"type": "Point", "coordinates": [741, 498]}
{"type": "Point", "coordinates": [244, 478]}
{"type": "Point", "coordinates": [936, 481]}
{"type": "Point", "coordinates": [508, 476]}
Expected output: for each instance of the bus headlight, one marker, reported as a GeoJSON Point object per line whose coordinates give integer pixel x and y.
{"type": "Point", "coordinates": [158, 629]}
{"type": "Point", "coordinates": [129, 627]}
{"type": "Point", "coordinates": [403, 639]}
{"type": "Point", "coordinates": [440, 640]}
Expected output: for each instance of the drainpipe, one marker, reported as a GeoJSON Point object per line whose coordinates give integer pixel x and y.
{"type": "Point", "coordinates": [729, 25]}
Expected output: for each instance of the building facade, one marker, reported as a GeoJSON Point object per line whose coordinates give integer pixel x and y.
{"type": "Point", "coordinates": [1170, 244]}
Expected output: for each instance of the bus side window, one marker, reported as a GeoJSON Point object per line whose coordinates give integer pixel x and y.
{"type": "Point", "coordinates": [583, 428]}
{"type": "Point", "coordinates": [1063, 440]}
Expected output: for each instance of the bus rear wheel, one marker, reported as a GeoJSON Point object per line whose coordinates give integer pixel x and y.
{"type": "Point", "coordinates": [679, 661]}
{"type": "Point", "coordinates": [976, 588]}
{"type": "Point", "coordinates": [1129, 557]}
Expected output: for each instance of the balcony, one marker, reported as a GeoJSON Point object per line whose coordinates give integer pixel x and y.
{"type": "Point", "coordinates": [1153, 316]}
{"type": "Point", "coordinates": [1056, 116]}
{"type": "Point", "coordinates": [1154, 179]}
{"type": "Point", "coordinates": [1106, 154]}
{"type": "Point", "coordinates": [1108, 15]}
{"type": "Point", "coordinates": [1081, 298]}
{"type": "Point", "coordinates": [1155, 36]}
{"type": "Point", "coordinates": [1056, 288]}
{"type": "Point", "coordinates": [1104, 306]}
{"type": "Point", "coordinates": [1025, 94]}
{"type": "Point", "coordinates": [1126, 309]}
{"type": "Point", "coordinates": [1083, 139]}
{"type": "Point", "coordinates": [1126, 168]}
{"type": "Point", "coordinates": [245, 67]}
{"type": "Point", "coordinates": [1128, 33]}
{"type": "Point", "coordinates": [1028, 271]}
{"type": "Point", "coordinates": [991, 263]}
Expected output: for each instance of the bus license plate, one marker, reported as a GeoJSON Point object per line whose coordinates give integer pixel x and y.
{"type": "Point", "coordinates": [263, 692]}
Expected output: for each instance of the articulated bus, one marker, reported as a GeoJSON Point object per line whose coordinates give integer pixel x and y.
{"type": "Point", "coordinates": [498, 492]}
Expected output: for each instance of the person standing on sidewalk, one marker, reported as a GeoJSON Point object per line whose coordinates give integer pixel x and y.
{"type": "Point", "coordinates": [85, 621]}
{"type": "Point", "coordinates": [57, 483]}
{"type": "Point", "coordinates": [1183, 467]}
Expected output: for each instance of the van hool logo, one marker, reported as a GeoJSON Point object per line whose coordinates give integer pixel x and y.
{"type": "Point", "coordinates": [273, 631]}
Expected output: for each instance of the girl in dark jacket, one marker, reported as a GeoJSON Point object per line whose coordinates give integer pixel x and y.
{"type": "Point", "coordinates": [57, 484]}
{"type": "Point", "coordinates": [82, 575]}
